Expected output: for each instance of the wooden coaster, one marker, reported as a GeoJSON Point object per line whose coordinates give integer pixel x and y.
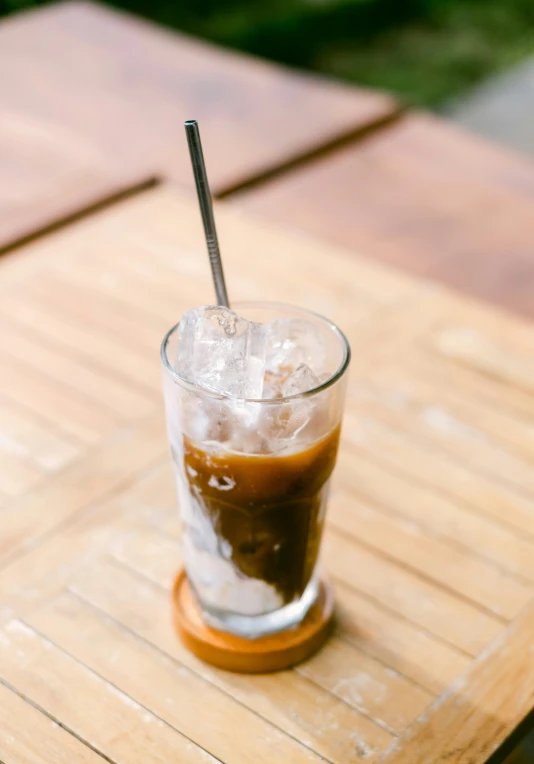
{"type": "Point", "coordinates": [250, 656]}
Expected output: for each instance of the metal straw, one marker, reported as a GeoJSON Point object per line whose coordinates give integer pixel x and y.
{"type": "Point", "coordinates": [206, 209]}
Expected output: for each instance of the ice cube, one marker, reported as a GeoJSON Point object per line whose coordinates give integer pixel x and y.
{"type": "Point", "coordinates": [281, 424]}
{"type": "Point", "coordinates": [291, 343]}
{"type": "Point", "coordinates": [300, 381]}
{"type": "Point", "coordinates": [221, 352]}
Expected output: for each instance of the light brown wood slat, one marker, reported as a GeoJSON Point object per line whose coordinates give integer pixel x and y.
{"type": "Point", "coordinates": [289, 702]}
{"type": "Point", "coordinates": [50, 327]}
{"type": "Point", "coordinates": [134, 267]}
{"type": "Point", "coordinates": [494, 329]}
{"type": "Point", "coordinates": [397, 642]}
{"type": "Point", "coordinates": [480, 709]}
{"type": "Point", "coordinates": [440, 471]}
{"type": "Point", "coordinates": [74, 132]}
{"type": "Point", "coordinates": [423, 195]}
{"type": "Point", "coordinates": [142, 226]}
{"type": "Point", "coordinates": [148, 223]}
{"type": "Point", "coordinates": [459, 623]}
{"type": "Point", "coordinates": [436, 408]}
{"type": "Point", "coordinates": [24, 436]}
{"type": "Point", "coordinates": [174, 692]}
{"type": "Point", "coordinates": [157, 296]}
{"type": "Point", "coordinates": [480, 352]}
{"type": "Point", "coordinates": [117, 397]}
{"type": "Point", "coordinates": [114, 280]}
{"type": "Point", "coordinates": [38, 572]}
{"type": "Point", "coordinates": [154, 496]}
{"type": "Point", "coordinates": [149, 552]}
{"type": "Point", "coordinates": [469, 384]}
{"type": "Point", "coordinates": [124, 322]}
{"type": "Point", "coordinates": [17, 474]}
{"type": "Point", "coordinates": [280, 249]}
{"type": "Point", "coordinates": [29, 737]}
{"type": "Point", "coordinates": [382, 634]}
{"type": "Point", "coordinates": [109, 720]}
{"type": "Point", "coordinates": [381, 693]}
{"type": "Point", "coordinates": [494, 440]}
{"type": "Point", "coordinates": [146, 311]}
{"type": "Point", "coordinates": [407, 543]}
{"type": "Point", "coordinates": [106, 526]}
{"type": "Point", "coordinates": [377, 483]}
{"type": "Point", "coordinates": [393, 641]}
{"type": "Point", "coordinates": [103, 471]}
{"type": "Point", "coordinates": [356, 678]}
{"type": "Point", "coordinates": [66, 410]}
{"type": "Point", "coordinates": [417, 344]}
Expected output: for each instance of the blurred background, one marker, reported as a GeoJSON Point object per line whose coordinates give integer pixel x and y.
{"type": "Point", "coordinates": [429, 52]}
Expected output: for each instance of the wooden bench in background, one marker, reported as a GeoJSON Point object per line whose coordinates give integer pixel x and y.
{"type": "Point", "coordinates": [95, 101]}
{"type": "Point", "coordinates": [424, 196]}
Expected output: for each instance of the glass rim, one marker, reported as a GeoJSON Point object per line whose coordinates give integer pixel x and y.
{"type": "Point", "coordinates": [332, 379]}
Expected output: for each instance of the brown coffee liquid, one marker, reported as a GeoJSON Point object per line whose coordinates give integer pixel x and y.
{"type": "Point", "coordinates": [268, 509]}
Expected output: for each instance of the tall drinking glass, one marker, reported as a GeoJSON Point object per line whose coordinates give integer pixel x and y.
{"type": "Point", "coordinates": [253, 478]}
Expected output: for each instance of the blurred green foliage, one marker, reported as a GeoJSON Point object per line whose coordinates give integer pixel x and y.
{"type": "Point", "coordinates": [424, 50]}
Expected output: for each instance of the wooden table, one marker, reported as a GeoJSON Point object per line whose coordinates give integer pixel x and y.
{"type": "Point", "coordinates": [430, 535]}
{"type": "Point", "coordinates": [431, 528]}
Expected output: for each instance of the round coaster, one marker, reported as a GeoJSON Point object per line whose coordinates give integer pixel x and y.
{"type": "Point", "coordinates": [250, 656]}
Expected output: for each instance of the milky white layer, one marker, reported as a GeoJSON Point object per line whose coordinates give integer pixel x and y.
{"type": "Point", "coordinates": [209, 567]}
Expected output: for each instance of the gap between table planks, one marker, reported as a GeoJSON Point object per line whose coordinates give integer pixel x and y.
{"type": "Point", "coordinates": [424, 195]}
{"type": "Point", "coordinates": [93, 541]}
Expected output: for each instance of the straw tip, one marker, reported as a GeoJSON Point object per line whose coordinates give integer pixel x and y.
{"type": "Point", "coordinates": [190, 122]}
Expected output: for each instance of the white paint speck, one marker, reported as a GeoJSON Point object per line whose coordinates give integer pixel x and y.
{"type": "Point", "coordinates": [4, 640]}
{"type": "Point", "coordinates": [441, 422]}
{"type": "Point", "coordinates": [126, 699]}
{"type": "Point", "coordinates": [17, 627]}
{"type": "Point", "coordinates": [12, 447]}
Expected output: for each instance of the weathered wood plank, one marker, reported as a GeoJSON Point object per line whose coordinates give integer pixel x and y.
{"type": "Point", "coordinates": [88, 480]}
{"type": "Point", "coordinates": [380, 633]}
{"type": "Point", "coordinates": [358, 679]}
{"type": "Point", "coordinates": [112, 722]}
{"type": "Point", "coordinates": [43, 568]}
{"type": "Point", "coordinates": [173, 691]}
{"type": "Point", "coordinates": [422, 195]}
{"type": "Point", "coordinates": [25, 436]}
{"type": "Point", "coordinates": [407, 543]}
{"type": "Point", "coordinates": [430, 552]}
{"type": "Point", "coordinates": [74, 133]}
{"type": "Point", "coordinates": [29, 737]}
{"type": "Point", "coordinates": [481, 708]}
{"type": "Point", "coordinates": [379, 484]}
{"type": "Point", "coordinates": [301, 709]}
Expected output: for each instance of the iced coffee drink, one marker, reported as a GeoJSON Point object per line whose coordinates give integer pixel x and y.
{"type": "Point", "coordinates": [254, 401]}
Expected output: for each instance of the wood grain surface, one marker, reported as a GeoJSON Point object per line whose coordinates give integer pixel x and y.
{"type": "Point", "coordinates": [95, 102]}
{"type": "Point", "coordinates": [430, 535]}
{"type": "Point", "coordinates": [422, 195]}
